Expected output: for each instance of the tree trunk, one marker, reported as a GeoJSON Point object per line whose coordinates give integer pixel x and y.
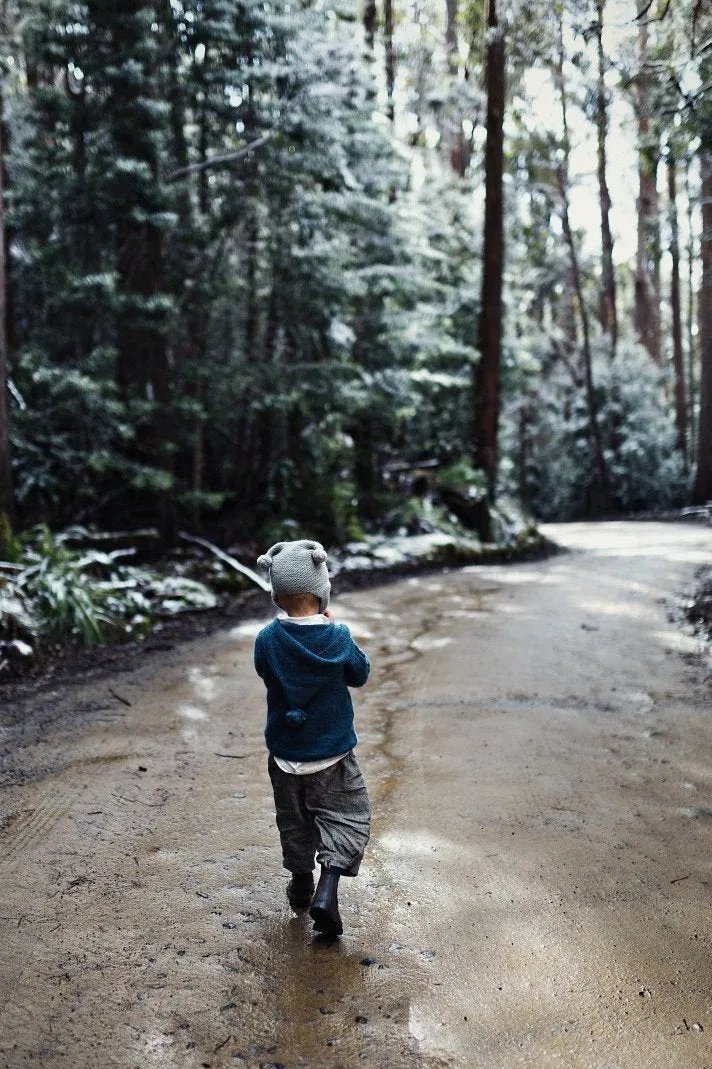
{"type": "Point", "coordinates": [690, 325]}
{"type": "Point", "coordinates": [451, 36]}
{"type": "Point", "coordinates": [487, 375]}
{"type": "Point", "coordinates": [647, 270]}
{"type": "Point", "coordinates": [608, 313]}
{"type": "Point", "coordinates": [523, 451]}
{"type": "Point", "coordinates": [703, 481]}
{"type": "Point", "coordinates": [455, 139]}
{"type": "Point", "coordinates": [193, 333]}
{"type": "Point", "coordinates": [603, 495]}
{"type": "Point", "coordinates": [365, 470]}
{"type": "Point", "coordinates": [252, 238]}
{"type": "Point", "coordinates": [6, 489]}
{"type": "Point", "coordinates": [203, 196]}
{"type": "Point", "coordinates": [677, 358]}
{"type": "Point", "coordinates": [370, 21]}
{"type": "Point", "coordinates": [390, 61]}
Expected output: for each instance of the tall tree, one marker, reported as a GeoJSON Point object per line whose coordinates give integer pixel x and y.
{"type": "Point", "coordinates": [703, 480]}
{"type": "Point", "coordinates": [677, 354]}
{"type": "Point", "coordinates": [390, 58]}
{"type": "Point", "coordinates": [691, 256]}
{"type": "Point", "coordinates": [608, 310]}
{"type": "Point", "coordinates": [130, 78]}
{"type": "Point", "coordinates": [487, 375]}
{"type": "Point", "coordinates": [6, 488]}
{"type": "Point", "coordinates": [647, 267]}
{"type": "Point", "coordinates": [602, 482]}
{"type": "Point", "coordinates": [370, 22]}
{"type": "Point", "coordinates": [455, 141]}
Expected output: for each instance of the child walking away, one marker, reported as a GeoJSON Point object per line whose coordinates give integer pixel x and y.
{"type": "Point", "coordinates": [308, 663]}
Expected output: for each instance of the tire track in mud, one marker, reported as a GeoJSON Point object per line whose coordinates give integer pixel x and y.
{"type": "Point", "coordinates": [23, 829]}
{"type": "Point", "coordinates": [28, 826]}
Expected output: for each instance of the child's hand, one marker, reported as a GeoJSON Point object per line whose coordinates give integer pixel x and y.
{"type": "Point", "coordinates": [329, 615]}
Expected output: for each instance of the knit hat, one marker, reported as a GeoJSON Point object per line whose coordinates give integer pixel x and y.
{"type": "Point", "coordinates": [297, 568]}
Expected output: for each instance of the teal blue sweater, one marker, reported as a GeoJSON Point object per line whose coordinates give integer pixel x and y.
{"type": "Point", "coordinates": [307, 671]}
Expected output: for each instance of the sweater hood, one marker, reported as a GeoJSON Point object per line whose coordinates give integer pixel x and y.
{"type": "Point", "coordinates": [304, 659]}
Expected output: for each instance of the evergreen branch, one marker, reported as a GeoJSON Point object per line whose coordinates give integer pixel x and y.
{"type": "Point", "coordinates": [231, 157]}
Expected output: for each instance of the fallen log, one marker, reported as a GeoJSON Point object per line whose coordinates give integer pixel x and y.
{"type": "Point", "coordinates": [227, 559]}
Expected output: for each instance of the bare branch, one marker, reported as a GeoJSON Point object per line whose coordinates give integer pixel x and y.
{"type": "Point", "coordinates": [227, 559]}
{"type": "Point", "coordinates": [220, 161]}
{"type": "Point", "coordinates": [231, 157]}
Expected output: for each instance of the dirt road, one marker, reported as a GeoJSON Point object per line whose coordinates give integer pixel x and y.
{"type": "Point", "coordinates": [538, 745]}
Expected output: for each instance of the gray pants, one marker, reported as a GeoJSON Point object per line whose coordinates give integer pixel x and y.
{"type": "Point", "coordinates": [325, 813]}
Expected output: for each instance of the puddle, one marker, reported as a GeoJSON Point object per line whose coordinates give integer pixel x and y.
{"type": "Point", "coordinates": [203, 684]}
{"type": "Point", "coordinates": [192, 712]}
{"type": "Point", "coordinates": [429, 642]}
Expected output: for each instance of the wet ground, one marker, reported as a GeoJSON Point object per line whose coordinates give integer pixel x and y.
{"type": "Point", "coordinates": [537, 739]}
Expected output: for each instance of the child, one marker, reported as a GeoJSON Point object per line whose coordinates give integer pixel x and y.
{"type": "Point", "coordinates": [308, 663]}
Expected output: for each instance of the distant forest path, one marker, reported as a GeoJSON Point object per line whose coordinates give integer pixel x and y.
{"type": "Point", "coordinates": [537, 740]}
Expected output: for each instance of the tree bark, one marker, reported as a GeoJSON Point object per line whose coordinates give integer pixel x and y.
{"type": "Point", "coordinates": [562, 176]}
{"type": "Point", "coordinates": [203, 195]}
{"type": "Point", "coordinates": [647, 270]}
{"type": "Point", "coordinates": [451, 35]}
{"type": "Point", "coordinates": [703, 481]}
{"type": "Point", "coordinates": [252, 240]}
{"type": "Point", "coordinates": [191, 349]}
{"type": "Point", "coordinates": [390, 60]}
{"type": "Point", "coordinates": [690, 331]}
{"type": "Point", "coordinates": [487, 375]}
{"type": "Point", "coordinates": [455, 139]}
{"type": "Point", "coordinates": [370, 21]}
{"type": "Point", "coordinates": [608, 312]}
{"type": "Point", "coordinates": [7, 507]}
{"type": "Point", "coordinates": [677, 357]}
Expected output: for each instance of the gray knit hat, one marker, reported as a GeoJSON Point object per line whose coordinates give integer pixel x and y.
{"type": "Point", "coordinates": [297, 568]}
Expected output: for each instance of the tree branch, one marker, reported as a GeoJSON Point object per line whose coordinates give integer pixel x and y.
{"type": "Point", "coordinates": [219, 161]}
{"type": "Point", "coordinates": [231, 157]}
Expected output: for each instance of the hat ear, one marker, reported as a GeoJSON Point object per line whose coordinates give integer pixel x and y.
{"type": "Point", "coordinates": [319, 555]}
{"type": "Point", "coordinates": [265, 561]}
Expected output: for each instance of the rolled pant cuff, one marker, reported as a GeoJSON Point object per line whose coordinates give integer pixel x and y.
{"type": "Point", "coordinates": [348, 868]}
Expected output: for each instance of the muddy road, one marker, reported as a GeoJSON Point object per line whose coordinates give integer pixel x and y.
{"type": "Point", "coordinates": [537, 740]}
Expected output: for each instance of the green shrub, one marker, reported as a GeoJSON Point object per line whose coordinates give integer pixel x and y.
{"type": "Point", "coordinates": [55, 594]}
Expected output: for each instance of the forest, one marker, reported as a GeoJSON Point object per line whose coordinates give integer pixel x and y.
{"type": "Point", "coordinates": [275, 266]}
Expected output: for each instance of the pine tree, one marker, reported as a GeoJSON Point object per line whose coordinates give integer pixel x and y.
{"type": "Point", "coordinates": [126, 74]}
{"type": "Point", "coordinates": [68, 429]}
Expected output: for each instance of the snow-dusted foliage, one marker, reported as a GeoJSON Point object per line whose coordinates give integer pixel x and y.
{"type": "Point", "coordinates": [548, 439]}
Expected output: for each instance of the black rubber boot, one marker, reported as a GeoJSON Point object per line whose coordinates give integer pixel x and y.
{"type": "Point", "coordinates": [300, 890]}
{"type": "Point", "coordinates": [324, 909]}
